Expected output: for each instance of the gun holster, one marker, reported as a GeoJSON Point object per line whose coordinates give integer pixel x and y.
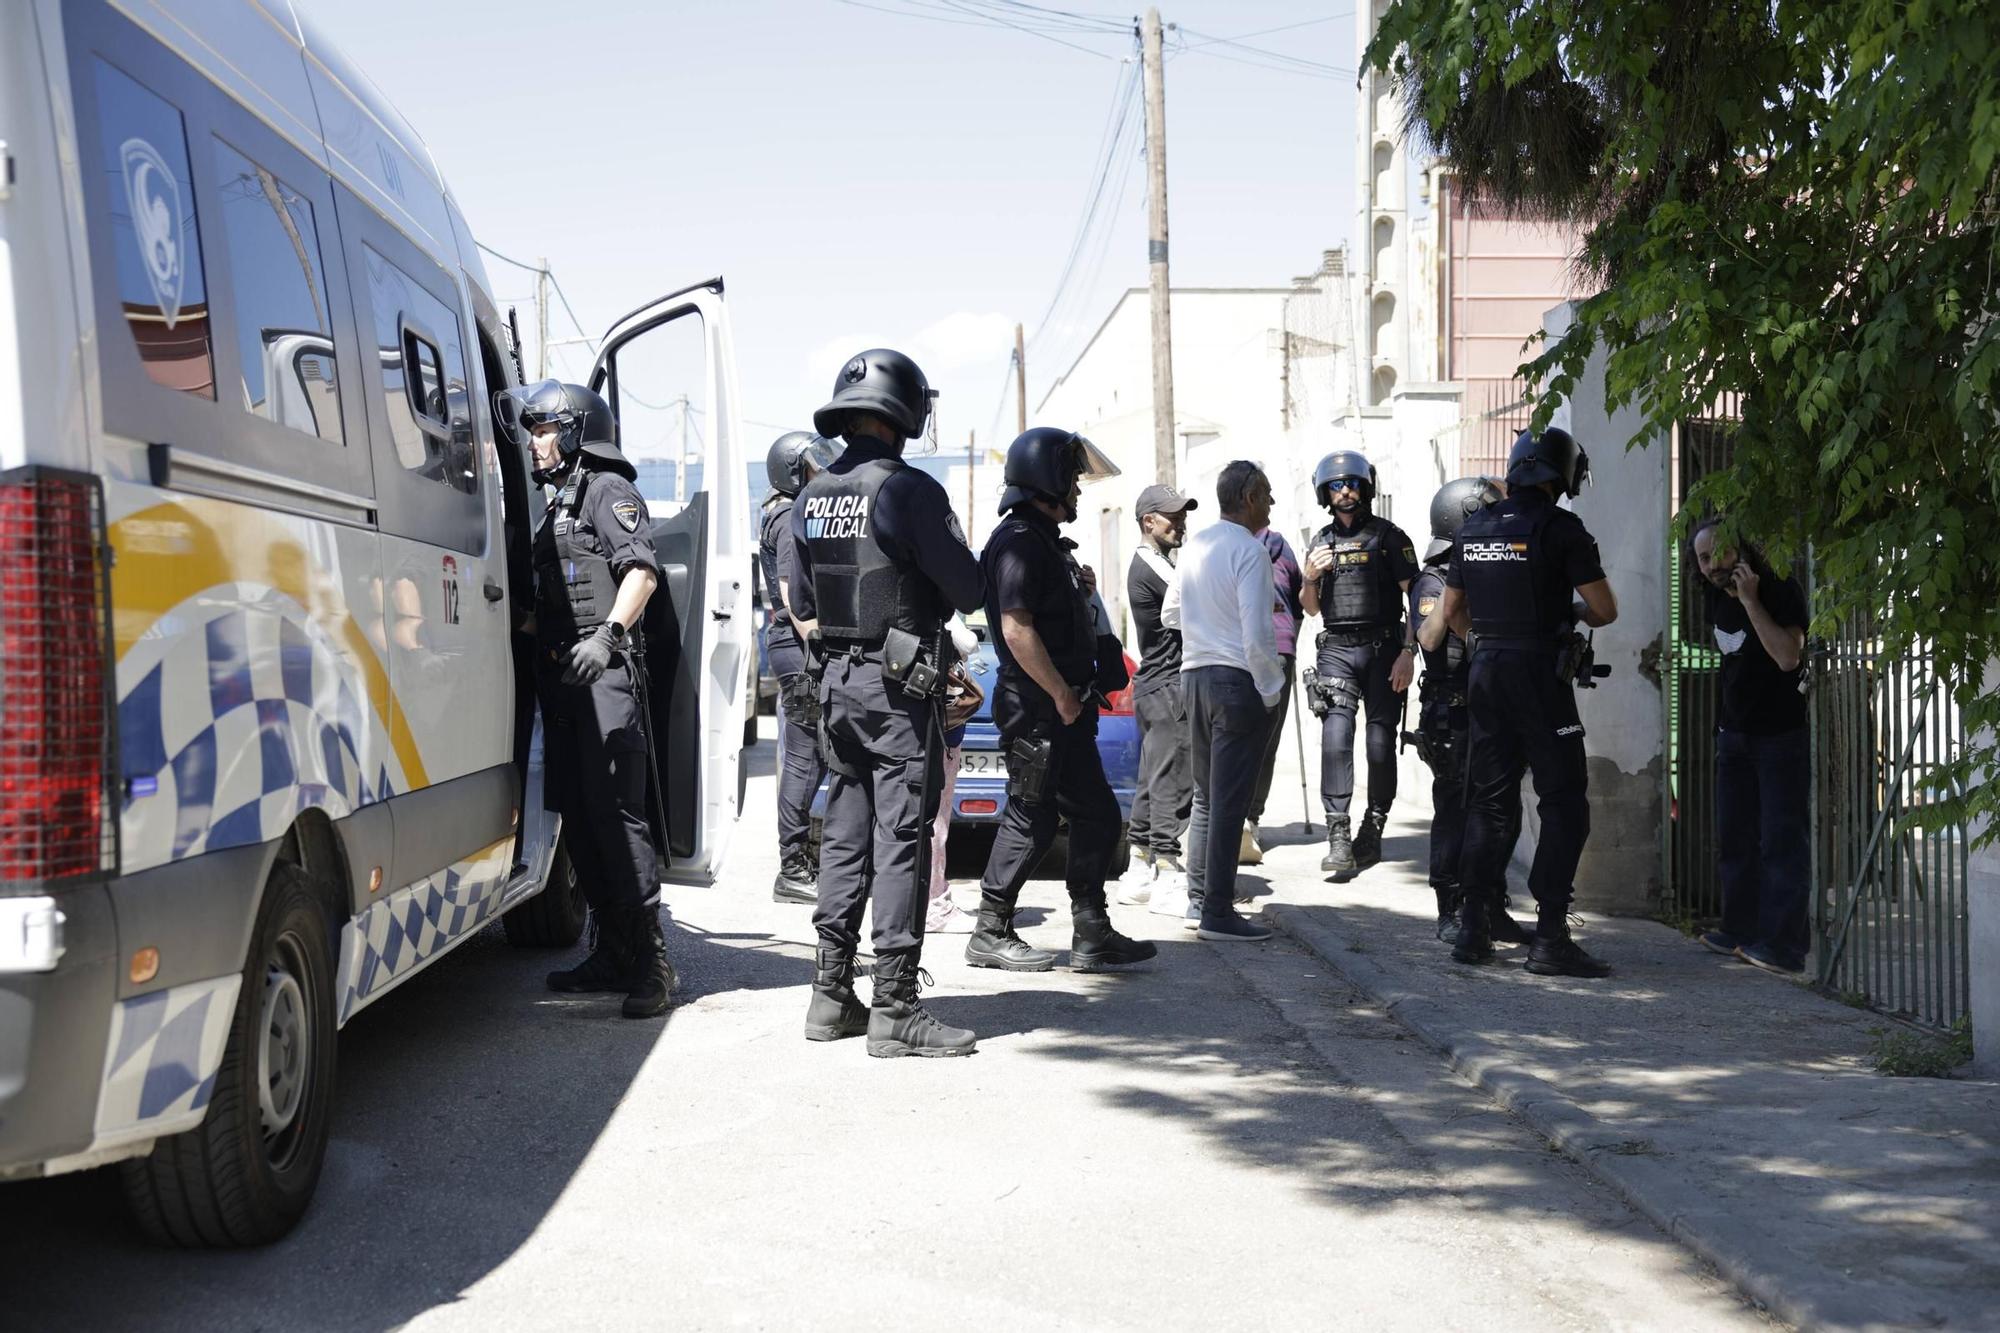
{"type": "Point", "coordinates": [1314, 699]}
{"type": "Point", "coordinates": [800, 693]}
{"type": "Point", "coordinates": [1030, 768]}
{"type": "Point", "coordinates": [903, 662]}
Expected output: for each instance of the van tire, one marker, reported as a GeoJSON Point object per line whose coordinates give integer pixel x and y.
{"type": "Point", "coordinates": [553, 918]}
{"type": "Point", "coordinates": [234, 1180]}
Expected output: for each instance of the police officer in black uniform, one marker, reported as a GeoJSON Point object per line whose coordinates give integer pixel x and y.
{"type": "Point", "coordinates": [1054, 670]}
{"type": "Point", "coordinates": [1510, 586]}
{"type": "Point", "coordinates": [880, 562]}
{"type": "Point", "coordinates": [796, 457]}
{"type": "Point", "coordinates": [594, 571]}
{"type": "Point", "coordinates": [1358, 569]}
{"type": "Point", "coordinates": [1441, 714]}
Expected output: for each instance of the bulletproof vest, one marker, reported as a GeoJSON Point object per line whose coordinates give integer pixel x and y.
{"type": "Point", "coordinates": [1359, 592]}
{"type": "Point", "coordinates": [777, 517]}
{"type": "Point", "coordinates": [1447, 665]}
{"type": "Point", "coordinates": [1063, 616]}
{"type": "Point", "coordinates": [575, 585]}
{"type": "Point", "coordinates": [1502, 560]}
{"type": "Point", "coordinates": [860, 590]}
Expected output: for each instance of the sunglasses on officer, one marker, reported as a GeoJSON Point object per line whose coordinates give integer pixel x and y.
{"type": "Point", "coordinates": [1344, 484]}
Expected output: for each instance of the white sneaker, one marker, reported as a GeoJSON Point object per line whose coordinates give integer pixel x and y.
{"type": "Point", "coordinates": [1169, 896]}
{"type": "Point", "coordinates": [1135, 886]}
{"type": "Point", "coordinates": [946, 917]}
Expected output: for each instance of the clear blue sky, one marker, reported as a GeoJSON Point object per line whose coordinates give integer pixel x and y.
{"type": "Point", "coordinates": [859, 176]}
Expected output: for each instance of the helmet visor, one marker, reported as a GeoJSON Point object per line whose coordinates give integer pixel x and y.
{"type": "Point", "coordinates": [818, 455]}
{"type": "Point", "coordinates": [518, 411]}
{"type": "Point", "coordinates": [1092, 462]}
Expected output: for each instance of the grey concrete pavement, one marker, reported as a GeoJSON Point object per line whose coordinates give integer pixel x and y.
{"type": "Point", "coordinates": [1229, 1137]}
{"type": "Point", "coordinates": [1736, 1109]}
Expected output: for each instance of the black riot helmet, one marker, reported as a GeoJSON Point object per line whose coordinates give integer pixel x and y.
{"type": "Point", "coordinates": [1551, 456]}
{"type": "Point", "coordinates": [1452, 505]}
{"type": "Point", "coordinates": [1045, 462]}
{"type": "Point", "coordinates": [583, 417]}
{"type": "Point", "coordinates": [796, 457]}
{"type": "Point", "coordinates": [1343, 464]}
{"type": "Point", "coordinates": [883, 382]}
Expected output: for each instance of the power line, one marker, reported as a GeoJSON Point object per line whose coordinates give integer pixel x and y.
{"type": "Point", "coordinates": [1266, 32]}
{"type": "Point", "coordinates": [1258, 56]}
{"type": "Point", "coordinates": [1112, 135]}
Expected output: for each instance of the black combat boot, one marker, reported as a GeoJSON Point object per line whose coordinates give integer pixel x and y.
{"type": "Point", "coordinates": [1561, 956]}
{"type": "Point", "coordinates": [836, 1011]}
{"type": "Point", "coordinates": [994, 943]}
{"type": "Point", "coordinates": [1448, 903]}
{"type": "Point", "coordinates": [608, 967]}
{"type": "Point", "coordinates": [1474, 943]}
{"type": "Point", "coordinates": [1368, 842]}
{"type": "Point", "coordinates": [1095, 944]}
{"type": "Point", "coordinates": [651, 980]}
{"type": "Point", "coordinates": [798, 880]}
{"type": "Point", "coordinates": [898, 1023]}
{"type": "Point", "coordinates": [1339, 858]}
{"type": "Point", "coordinates": [1505, 929]}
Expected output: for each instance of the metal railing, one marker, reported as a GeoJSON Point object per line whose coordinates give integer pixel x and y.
{"type": "Point", "coordinates": [1491, 414]}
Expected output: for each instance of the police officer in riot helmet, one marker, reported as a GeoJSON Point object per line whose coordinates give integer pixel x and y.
{"type": "Point", "coordinates": [1058, 658]}
{"type": "Point", "coordinates": [1358, 569]}
{"type": "Point", "coordinates": [1441, 713]}
{"type": "Point", "coordinates": [1519, 562]}
{"type": "Point", "coordinates": [879, 562]}
{"type": "Point", "coordinates": [595, 568]}
{"type": "Point", "coordinates": [796, 457]}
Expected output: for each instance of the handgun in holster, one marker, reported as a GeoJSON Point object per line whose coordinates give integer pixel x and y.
{"type": "Point", "coordinates": [800, 693]}
{"type": "Point", "coordinates": [1030, 767]}
{"type": "Point", "coordinates": [1576, 661]}
{"type": "Point", "coordinates": [1315, 700]}
{"type": "Point", "coordinates": [903, 662]}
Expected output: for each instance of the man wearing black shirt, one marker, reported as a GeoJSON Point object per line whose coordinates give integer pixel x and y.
{"type": "Point", "coordinates": [1761, 769]}
{"type": "Point", "coordinates": [1165, 793]}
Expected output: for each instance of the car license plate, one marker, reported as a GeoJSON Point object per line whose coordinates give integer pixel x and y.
{"type": "Point", "coordinates": [982, 763]}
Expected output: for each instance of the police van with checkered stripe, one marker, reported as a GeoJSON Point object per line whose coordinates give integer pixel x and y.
{"type": "Point", "coordinates": [268, 742]}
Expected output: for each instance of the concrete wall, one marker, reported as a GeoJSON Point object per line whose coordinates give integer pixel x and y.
{"type": "Point", "coordinates": [1624, 718]}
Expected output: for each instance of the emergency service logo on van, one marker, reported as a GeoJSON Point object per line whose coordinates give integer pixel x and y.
{"type": "Point", "coordinates": [154, 195]}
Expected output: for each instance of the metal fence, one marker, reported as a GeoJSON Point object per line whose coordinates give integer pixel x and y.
{"type": "Point", "coordinates": [1491, 414]}
{"type": "Point", "coordinates": [1889, 912]}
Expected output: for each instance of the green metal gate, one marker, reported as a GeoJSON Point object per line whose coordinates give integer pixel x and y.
{"type": "Point", "coordinates": [1889, 917]}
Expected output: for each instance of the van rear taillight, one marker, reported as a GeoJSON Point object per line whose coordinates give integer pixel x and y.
{"type": "Point", "coordinates": [55, 806]}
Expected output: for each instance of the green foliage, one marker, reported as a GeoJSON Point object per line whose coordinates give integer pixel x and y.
{"type": "Point", "coordinates": [1901, 1053]}
{"type": "Point", "coordinates": [1794, 201]}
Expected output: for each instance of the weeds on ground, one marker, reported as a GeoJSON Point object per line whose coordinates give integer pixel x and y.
{"type": "Point", "coordinates": [1903, 1054]}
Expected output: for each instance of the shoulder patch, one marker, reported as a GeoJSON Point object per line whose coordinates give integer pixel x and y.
{"type": "Point", "coordinates": [627, 514]}
{"type": "Point", "coordinates": [1426, 606]}
{"type": "Point", "coordinates": [951, 526]}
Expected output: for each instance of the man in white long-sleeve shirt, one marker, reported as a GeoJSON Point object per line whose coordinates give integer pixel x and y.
{"type": "Point", "coordinates": [1232, 675]}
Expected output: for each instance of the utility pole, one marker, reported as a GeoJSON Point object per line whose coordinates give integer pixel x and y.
{"type": "Point", "coordinates": [1156, 250]}
{"type": "Point", "coordinates": [1020, 383]}
{"type": "Point", "coordinates": [542, 320]}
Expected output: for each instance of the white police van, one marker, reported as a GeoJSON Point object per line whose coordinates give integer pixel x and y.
{"type": "Point", "coordinates": [268, 746]}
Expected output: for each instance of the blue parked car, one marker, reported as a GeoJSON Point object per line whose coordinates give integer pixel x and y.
{"type": "Point", "coordinates": [981, 792]}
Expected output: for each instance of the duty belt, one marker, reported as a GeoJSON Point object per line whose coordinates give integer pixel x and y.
{"type": "Point", "coordinates": [1516, 643]}
{"type": "Point", "coordinates": [1354, 638]}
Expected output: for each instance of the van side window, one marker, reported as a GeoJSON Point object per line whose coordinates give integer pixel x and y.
{"type": "Point", "coordinates": [155, 233]}
{"type": "Point", "coordinates": [283, 330]}
{"type": "Point", "coordinates": [422, 360]}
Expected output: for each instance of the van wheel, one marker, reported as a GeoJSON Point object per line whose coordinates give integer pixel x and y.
{"type": "Point", "coordinates": [245, 1174]}
{"type": "Point", "coordinates": [553, 918]}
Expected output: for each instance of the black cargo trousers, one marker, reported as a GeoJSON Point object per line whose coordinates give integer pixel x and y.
{"type": "Point", "coordinates": [1076, 792]}
{"type": "Point", "coordinates": [594, 752]}
{"type": "Point", "coordinates": [886, 764]}
{"type": "Point", "coordinates": [1443, 726]}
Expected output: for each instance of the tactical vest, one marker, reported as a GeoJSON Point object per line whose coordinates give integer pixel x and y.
{"type": "Point", "coordinates": [1502, 563]}
{"type": "Point", "coordinates": [1359, 592]}
{"type": "Point", "coordinates": [777, 518]}
{"type": "Point", "coordinates": [859, 590]}
{"type": "Point", "coordinates": [1063, 616]}
{"type": "Point", "coordinates": [1445, 668]}
{"type": "Point", "coordinates": [575, 585]}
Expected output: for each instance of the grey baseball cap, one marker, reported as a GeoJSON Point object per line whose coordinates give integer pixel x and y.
{"type": "Point", "coordinates": [1162, 499]}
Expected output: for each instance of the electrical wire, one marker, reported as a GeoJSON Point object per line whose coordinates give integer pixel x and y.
{"type": "Point", "coordinates": [1257, 56]}
{"type": "Point", "coordinates": [1109, 141]}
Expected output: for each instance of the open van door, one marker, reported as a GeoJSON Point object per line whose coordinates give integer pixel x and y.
{"type": "Point", "coordinates": [668, 370]}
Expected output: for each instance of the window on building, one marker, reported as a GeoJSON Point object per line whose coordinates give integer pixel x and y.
{"type": "Point", "coordinates": [283, 332]}
{"type": "Point", "coordinates": [422, 363]}
{"type": "Point", "coordinates": [155, 234]}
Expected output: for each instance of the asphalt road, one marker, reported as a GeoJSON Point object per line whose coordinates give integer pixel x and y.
{"type": "Point", "coordinates": [1226, 1138]}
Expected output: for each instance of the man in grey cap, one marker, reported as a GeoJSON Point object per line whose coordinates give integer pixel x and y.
{"type": "Point", "coordinates": [1166, 777]}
